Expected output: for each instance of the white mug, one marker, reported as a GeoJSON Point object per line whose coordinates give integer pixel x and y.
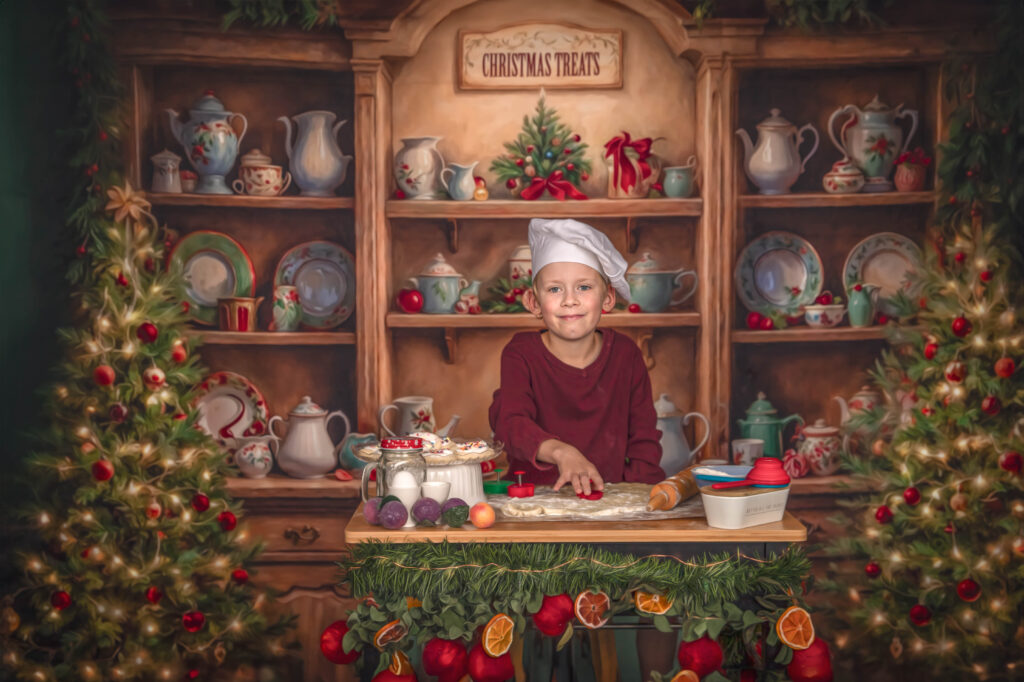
{"type": "Point", "coordinates": [746, 450]}
{"type": "Point", "coordinates": [436, 490]}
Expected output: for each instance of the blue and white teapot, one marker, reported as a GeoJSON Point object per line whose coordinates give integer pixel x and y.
{"type": "Point", "coordinates": [210, 142]}
{"type": "Point", "coordinates": [655, 289]}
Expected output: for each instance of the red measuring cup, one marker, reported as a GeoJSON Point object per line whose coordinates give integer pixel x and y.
{"type": "Point", "coordinates": [767, 473]}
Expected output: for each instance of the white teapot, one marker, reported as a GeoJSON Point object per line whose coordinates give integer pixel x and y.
{"type": "Point", "coordinates": [307, 450]}
{"type": "Point", "coordinates": [774, 164]}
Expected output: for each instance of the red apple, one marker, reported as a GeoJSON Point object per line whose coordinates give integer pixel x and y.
{"type": "Point", "coordinates": [767, 323]}
{"type": "Point", "coordinates": [409, 300]}
{"type": "Point", "coordinates": [824, 298]}
{"type": "Point", "coordinates": [634, 308]}
{"type": "Point", "coordinates": [754, 320]}
{"type": "Point", "coordinates": [480, 182]}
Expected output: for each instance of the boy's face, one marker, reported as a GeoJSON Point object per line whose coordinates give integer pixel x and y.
{"type": "Point", "coordinates": [569, 297]}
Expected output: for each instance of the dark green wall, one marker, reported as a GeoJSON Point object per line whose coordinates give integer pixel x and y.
{"type": "Point", "coordinates": [34, 245]}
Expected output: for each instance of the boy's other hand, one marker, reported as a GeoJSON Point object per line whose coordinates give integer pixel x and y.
{"type": "Point", "coordinates": [575, 469]}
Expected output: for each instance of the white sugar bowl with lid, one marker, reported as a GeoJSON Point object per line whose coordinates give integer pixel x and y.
{"type": "Point", "coordinates": [258, 175]}
{"type": "Point", "coordinates": [440, 284]}
{"type": "Point", "coordinates": [821, 447]}
{"type": "Point", "coordinates": [654, 288]}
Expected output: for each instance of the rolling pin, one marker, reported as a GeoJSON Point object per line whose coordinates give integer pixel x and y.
{"type": "Point", "coordinates": [673, 490]}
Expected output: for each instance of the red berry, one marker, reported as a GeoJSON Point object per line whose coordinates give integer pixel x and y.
{"type": "Point", "coordinates": [567, 151]}
{"type": "Point", "coordinates": [240, 575]}
{"type": "Point", "coordinates": [510, 183]}
{"type": "Point", "coordinates": [60, 600]}
{"type": "Point", "coordinates": [754, 320]}
{"type": "Point", "coordinates": [570, 166]}
{"type": "Point", "coordinates": [519, 162]}
{"type": "Point", "coordinates": [882, 318]}
{"type": "Point", "coordinates": [585, 176]}
{"type": "Point", "coordinates": [986, 275]}
{"type": "Point", "coordinates": [154, 595]}
{"type": "Point", "coordinates": [200, 502]}
{"type": "Point", "coordinates": [912, 496]}
{"type": "Point", "coordinates": [474, 309]}
{"type": "Point", "coordinates": [104, 375]}
{"type": "Point", "coordinates": [872, 569]}
{"type": "Point", "coordinates": [634, 307]}
{"type": "Point", "coordinates": [968, 590]}
{"type": "Point", "coordinates": [960, 257]}
{"type": "Point", "coordinates": [930, 349]}
{"type": "Point", "coordinates": [227, 520]}
{"type": "Point", "coordinates": [80, 250]}
{"type": "Point", "coordinates": [961, 326]}
{"type": "Point", "coordinates": [480, 182]}
{"type": "Point", "coordinates": [920, 615]}
{"type": "Point", "coordinates": [1010, 461]}
{"type": "Point", "coordinates": [121, 279]}
{"type": "Point", "coordinates": [883, 514]}
{"type": "Point", "coordinates": [858, 287]}
{"type": "Point", "coordinates": [517, 291]}
{"type": "Point", "coordinates": [576, 138]}
{"type": "Point", "coordinates": [767, 323]}
{"type": "Point", "coordinates": [510, 297]}
{"type": "Point", "coordinates": [399, 194]}
{"type": "Point", "coordinates": [102, 470]}
{"type": "Point", "coordinates": [1005, 367]}
{"type": "Point", "coordinates": [991, 406]}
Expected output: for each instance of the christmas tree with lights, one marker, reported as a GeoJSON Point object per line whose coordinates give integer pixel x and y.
{"type": "Point", "coordinates": [942, 539]}
{"type": "Point", "coordinates": [135, 561]}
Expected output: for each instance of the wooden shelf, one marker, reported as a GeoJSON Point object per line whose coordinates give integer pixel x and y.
{"type": "Point", "coordinates": [246, 201]}
{"type": "Point", "coordinates": [827, 485]}
{"type": "Point", "coordinates": [824, 200]}
{"type": "Point", "coordinates": [542, 208]}
{"type": "Point", "coordinates": [273, 338]}
{"type": "Point", "coordinates": [806, 334]}
{"type": "Point", "coordinates": [279, 486]}
{"type": "Point", "coordinates": [526, 321]}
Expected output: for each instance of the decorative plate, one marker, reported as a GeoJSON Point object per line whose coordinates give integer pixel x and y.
{"type": "Point", "coordinates": [214, 266]}
{"type": "Point", "coordinates": [886, 260]}
{"type": "Point", "coordinates": [230, 407]}
{"type": "Point", "coordinates": [325, 275]}
{"type": "Point", "coordinates": [778, 272]}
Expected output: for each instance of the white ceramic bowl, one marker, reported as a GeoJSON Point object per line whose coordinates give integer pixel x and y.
{"type": "Point", "coordinates": [824, 315]}
{"type": "Point", "coordinates": [731, 509]}
{"type": "Point", "coordinates": [467, 480]}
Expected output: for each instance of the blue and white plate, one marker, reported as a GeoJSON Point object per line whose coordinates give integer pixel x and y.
{"type": "Point", "coordinates": [778, 272]}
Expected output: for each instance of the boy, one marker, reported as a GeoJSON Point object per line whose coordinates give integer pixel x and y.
{"type": "Point", "coordinates": [575, 404]}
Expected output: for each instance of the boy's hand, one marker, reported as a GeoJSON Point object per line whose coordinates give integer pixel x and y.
{"type": "Point", "coordinates": [573, 467]}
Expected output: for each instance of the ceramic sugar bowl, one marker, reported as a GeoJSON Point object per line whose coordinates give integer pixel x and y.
{"type": "Point", "coordinates": [843, 178]}
{"type": "Point", "coordinates": [258, 175]}
{"type": "Point", "coordinates": [821, 447]}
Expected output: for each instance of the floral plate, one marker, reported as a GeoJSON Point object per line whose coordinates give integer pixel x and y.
{"type": "Point", "coordinates": [214, 266]}
{"type": "Point", "coordinates": [778, 272]}
{"type": "Point", "coordinates": [325, 275]}
{"type": "Point", "coordinates": [886, 260]}
{"type": "Point", "coordinates": [230, 407]}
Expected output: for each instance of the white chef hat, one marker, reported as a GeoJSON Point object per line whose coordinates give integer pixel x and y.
{"type": "Point", "coordinates": [570, 241]}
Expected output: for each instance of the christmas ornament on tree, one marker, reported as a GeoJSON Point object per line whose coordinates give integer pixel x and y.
{"type": "Point", "coordinates": [445, 658]}
{"type": "Point", "coordinates": [883, 514]}
{"type": "Point", "coordinates": [178, 352]}
{"type": "Point", "coordinates": [968, 590]}
{"type": "Point", "coordinates": [930, 349]}
{"type": "Point", "coordinates": [193, 621]}
{"type": "Point", "coordinates": [104, 375]}
{"type": "Point", "coordinates": [1010, 461]}
{"type": "Point", "coordinates": [102, 470]}
{"type": "Point", "coordinates": [154, 595]}
{"type": "Point", "coordinates": [872, 569]}
{"type": "Point", "coordinates": [117, 413]}
{"type": "Point", "coordinates": [912, 496]}
{"type": "Point", "coordinates": [147, 332]}
{"type": "Point", "coordinates": [557, 168]}
{"type": "Point", "coordinates": [154, 378]}
{"type": "Point", "coordinates": [961, 326]}
{"type": "Point", "coordinates": [240, 576]}
{"type": "Point", "coordinates": [956, 371]}
{"type": "Point", "coordinates": [1004, 368]}
{"type": "Point", "coordinates": [813, 664]}
{"type": "Point", "coordinates": [227, 520]}
{"type": "Point", "coordinates": [200, 502]}
{"type": "Point", "coordinates": [60, 600]}
{"type": "Point", "coordinates": [920, 615]}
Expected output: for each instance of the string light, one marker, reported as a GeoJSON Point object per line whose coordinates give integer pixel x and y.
{"type": "Point", "coordinates": [103, 323]}
{"type": "Point", "coordinates": [206, 474]}
{"type": "Point", "coordinates": [87, 517]}
{"type": "Point", "coordinates": [996, 604]}
{"type": "Point", "coordinates": [129, 349]}
{"type": "Point", "coordinates": [44, 519]}
{"type": "Point", "coordinates": [92, 347]}
{"type": "Point", "coordinates": [35, 565]}
{"type": "Point", "coordinates": [62, 392]}
{"type": "Point", "coordinates": [979, 341]}
{"type": "Point", "coordinates": [896, 557]}
{"type": "Point", "coordinates": [879, 618]}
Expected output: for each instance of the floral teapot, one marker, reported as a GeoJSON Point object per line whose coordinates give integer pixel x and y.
{"type": "Point", "coordinates": [871, 138]}
{"type": "Point", "coordinates": [210, 142]}
{"type": "Point", "coordinates": [307, 450]}
{"type": "Point", "coordinates": [774, 164]}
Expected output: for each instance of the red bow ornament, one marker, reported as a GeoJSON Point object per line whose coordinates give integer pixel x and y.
{"type": "Point", "coordinates": [556, 184]}
{"type": "Point", "coordinates": [628, 157]}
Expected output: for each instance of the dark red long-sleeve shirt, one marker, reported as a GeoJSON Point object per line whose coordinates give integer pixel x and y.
{"type": "Point", "coordinates": [605, 410]}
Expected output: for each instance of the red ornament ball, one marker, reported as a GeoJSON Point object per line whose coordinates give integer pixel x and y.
{"type": "Point", "coordinates": [153, 510]}
{"type": "Point", "coordinates": [193, 621]}
{"type": "Point", "coordinates": [968, 590]}
{"type": "Point", "coordinates": [1005, 367]}
{"type": "Point", "coordinates": [920, 615]}
{"type": "Point", "coordinates": [991, 406]}
{"type": "Point", "coordinates": [331, 647]}
{"type": "Point", "coordinates": [102, 470]}
{"type": "Point", "coordinates": [813, 664]}
{"type": "Point", "coordinates": [703, 656]}
{"type": "Point", "coordinates": [60, 600]}
{"type": "Point", "coordinates": [754, 320]}
{"type": "Point", "coordinates": [985, 275]}
{"type": "Point", "coordinates": [104, 375]}
{"type": "Point", "coordinates": [912, 496]}
{"type": "Point", "coordinates": [147, 332]}
{"type": "Point", "coordinates": [510, 183]}
{"type": "Point", "coordinates": [227, 520]}
{"type": "Point", "coordinates": [178, 352]}
{"type": "Point", "coordinates": [960, 257]}
{"type": "Point", "coordinates": [240, 576]}
{"type": "Point", "coordinates": [200, 502]}
{"type": "Point", "coordinates": [956, 371]}
{"type": "Point", "coordinates": [445, 658]}
{"type": "Point", "coordinates": [930, 349]}
{"type": "Point", "coordinates": [961, 326]}
{"type": "Point", "coordinates": [767, 323]}
{"type": "Point", "coordinates": [634, 308]}
{"type": "Point", "coordinates": [554, 614]}
{"type": "Point", "coordinates": [958, 502]}
{"type": "Point", "coordinates": [872, 569]}
{"type": "Point", "coordinates": [483, 668]}
{"type": "Point", "coordinates": [122, 280]}
{"type": "Point", "coordinates": [154, 595]}
{"type": "Point", "coordinates": [1010, 461]}
{"type": "Point", "coordinates": [117, 413]}
{"type": "Point", "coordinates": [153, 378]}
{"type": "Point", "coordinates": [883, 514]}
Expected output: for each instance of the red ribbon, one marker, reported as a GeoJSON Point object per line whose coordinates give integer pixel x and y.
{"type": "Point", "coordinates": [555, 184]}
{"type": "Point", "coordinates": [625, 173]}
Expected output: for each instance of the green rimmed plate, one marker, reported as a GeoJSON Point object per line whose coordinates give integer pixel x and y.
{"type": "Point", "coordinates": [214, 266]}
{"type": "Point", "coordinates": [325, 275]}
{"type": "Point", "coordinates": [778, 272]}
{"type": "Point", "coordinates": [887, 260]}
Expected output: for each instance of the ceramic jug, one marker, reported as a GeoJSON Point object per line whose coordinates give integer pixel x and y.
{"type": "Point", "coordinates": [418, 166]}
{"type": "Point", "coordinates": [440, 286]}
{"type": "Point", "coordinates": [655, 289]}
{"type": "Point", "coordinates": [255, 456]}
{"type": "Point", "coordinates": [307, 450]}
{"type": "Point", "coordinates": [286, 311]}
{"type": "Point", "coordinates": [872, 139]}
{"type": "Point", "coordinates": [166, 174]}
{"type": "Point", "coordinates": [520, 263]}
{"type": "Point", "coordinates": [459, 181]}
{"type": "Point", "coordinates": [315, 160]}
{"type": "Point", "coordinates": [861, 304]}
{"type": "Point", "coordinates": [762, 422]}
{"type": "Point", "coordinates": [415, 413]}
{"type": "Point", "coordinates": [676, 454]}
{"type": "Point", "coordinates": [821, 447]}
{"type": "Point", "coordinates": [210, 142]}
{"type": "Point", "coordinates": [774, 164]}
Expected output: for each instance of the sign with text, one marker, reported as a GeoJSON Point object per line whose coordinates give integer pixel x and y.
{"type": "Point", "coordinates": [531, 56]}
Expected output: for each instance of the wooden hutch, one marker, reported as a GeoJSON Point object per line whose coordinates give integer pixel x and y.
{"type": "Point", "coordinates": [393, 76]}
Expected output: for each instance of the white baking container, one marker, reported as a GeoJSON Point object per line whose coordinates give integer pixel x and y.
{"type": "Point", "coordinates": [467, 480]}
{"type": "Point", "coordinates": [733, 508]}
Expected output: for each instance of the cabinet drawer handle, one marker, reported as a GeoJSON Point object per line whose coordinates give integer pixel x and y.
{"type": "Point", "coordinates": [307, 536]}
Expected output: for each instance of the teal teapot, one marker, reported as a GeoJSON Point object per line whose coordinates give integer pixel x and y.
{"type": "Point", "coordinates": [210, 142]}
{"type": "Point", "coordinates": [762, 423]}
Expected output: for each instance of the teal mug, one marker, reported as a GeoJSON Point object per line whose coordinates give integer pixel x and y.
{"type": "Point", "coordinates": [678, 182]}
{"type": "Point", "coordinates": [654, 291]}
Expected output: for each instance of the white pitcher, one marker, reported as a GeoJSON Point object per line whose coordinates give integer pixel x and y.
{"type": "Point", "coordinates": [676, 454]}
{"type": "Point", "coordinates": [418, 167]}
{"type": "Point", "coordinates": [459, 182]}
{"type": "Point", "coordinates": [315, 160]}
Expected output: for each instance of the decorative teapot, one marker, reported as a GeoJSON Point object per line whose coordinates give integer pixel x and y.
{"type": "Point", "coordinates": [210, 142]}
{"type": "Point", "coordinates": [872, 139]}
{"type": "Point", "coordinates": [762, 423]}
{"type": "Point", "coordinates": [863, 400]}
{"type": "Point", "coordinates": [676, 454]}
{"type": "Point", "coordinates": [821, 446]}
{"type": "Point", "coordinates": [307, 450]}
{"type": "Point", "coordinates": [774, 163]}
{"type": "Point", "coordinates": [440, 285]}
{"type": "Point", "coordinates": [655, 289]}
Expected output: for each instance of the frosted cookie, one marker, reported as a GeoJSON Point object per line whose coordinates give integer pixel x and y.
{"type": "Point", "coordinates": [473, 446]}
{"type": "Point", "coordinates": [431, 441]}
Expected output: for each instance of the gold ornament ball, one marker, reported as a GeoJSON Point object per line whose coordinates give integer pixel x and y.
{"type": "Point", "coordinates": [530, 171]}
{"type": "Point", "coordinates": [481, 194]}
{"type": "Point", "coordinates": [10, 620]}
{"type": "Point", "coordinates": [958, 502]}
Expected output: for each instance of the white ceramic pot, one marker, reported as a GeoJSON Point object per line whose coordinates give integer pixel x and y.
{"type": "Point", "coordinates": [467, 480]}
{"type": "Point", "coordinates": [741, 508]}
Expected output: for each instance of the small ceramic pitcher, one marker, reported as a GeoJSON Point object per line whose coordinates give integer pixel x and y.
{"type": "Point", "coordinates": [861, 306]}
{"type": "Point", "coordinates": [287, 310]}
{"type": "Point", "coordinates": [166, 176]}
{"type": "Point", "coordinates": [238, 313]}
{"type": "Point", "coordinates": [678, 182]}
{"type": "Point", "coordinates": [459, 182]}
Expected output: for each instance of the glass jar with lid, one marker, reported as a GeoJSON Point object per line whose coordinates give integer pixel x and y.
{"type": "Point", "coordinates": [401, 465]}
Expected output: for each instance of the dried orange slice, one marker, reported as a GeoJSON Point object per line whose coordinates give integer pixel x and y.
{"type": "Point", "coordinates": [685, 676]}
{"type": "Point", "coordinates": [795, 628]}
{"type": "Point", "coordinates": [389, 634]}
{"type": "Point", "coordinates": [413, 603]}
{"type": "Point", "coordinates": [591, 608]}
{"type": "Point", "coordinates": [400, 664]}
{"type": "Point", "coordinates": [498, 635]}
{"type": "Point", "coordinates": [648, 602]}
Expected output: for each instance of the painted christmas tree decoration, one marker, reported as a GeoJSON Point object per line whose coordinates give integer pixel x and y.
{"type": "Point", "coordinates": [546, 157]}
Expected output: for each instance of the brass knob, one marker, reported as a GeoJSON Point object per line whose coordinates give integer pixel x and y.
{"type": "Point", "coordinates": [307, 536]}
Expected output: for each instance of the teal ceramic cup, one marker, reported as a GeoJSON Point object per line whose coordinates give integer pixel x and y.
{"type": "Point", "coordinates": [678, 182]}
